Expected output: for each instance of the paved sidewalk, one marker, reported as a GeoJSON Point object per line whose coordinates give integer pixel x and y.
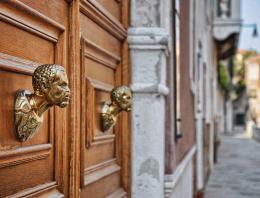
{"type": "Point", "coordinates": [237, 173]}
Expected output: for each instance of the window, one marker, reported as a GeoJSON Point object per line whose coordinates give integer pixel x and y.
{"type": "Point", "coordinates": [177, 21]}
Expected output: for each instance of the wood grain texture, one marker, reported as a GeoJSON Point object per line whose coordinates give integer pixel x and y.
{"type": "Point", "coordinates": [29, 38]}
{"type": "Point", "coordinates": [74, 111]}
{"type": "Point", "coordinates": [126, 117]}
{"type": "Point", "coordinates": [92, 86]}
{"type": "Point", "coordinates": [96, 53]}
{"type": "Point", "coordinates": [64, 154]}
{"type": "Point", "coordinates": [113, 7]}
{"type": "Point", "coordinates": [99, 171]}
{"type": "Point", "coordinates": [55, 10]}
{"type": "Point", "coordinates": [29, 19]}
{"type": "Point", "coordinates": [104, 56]}
{"type": "Point", "coordinates": [46, 190]}
{"type": "Point", "coordinates": [24, 155]}
{"type": "Point", "coordinates": [109, 185]}
{"type": "Point", "coordinates": [102, 17]}
{"type": "Point", "coordinates": [14, 64]}
{"type": "Point", "coordinates": [23, 44]}
{"type": "Point", "coordinates": [98, 35]}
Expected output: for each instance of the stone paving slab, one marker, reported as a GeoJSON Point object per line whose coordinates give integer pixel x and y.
{"type": "Point", "coordinates": [237, 173]}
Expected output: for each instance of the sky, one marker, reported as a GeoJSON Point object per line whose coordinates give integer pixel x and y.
{"type": "Point", "coordinates": [250, 10]}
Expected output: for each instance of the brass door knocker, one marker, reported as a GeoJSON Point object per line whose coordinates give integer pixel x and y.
{"type": "Point", "coordinates": [50, 84]}
{"type": "Point", "coordinates": [121, 98]}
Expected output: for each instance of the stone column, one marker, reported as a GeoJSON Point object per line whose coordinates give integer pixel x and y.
{"type": "Point", "coordinates": [148, 41]}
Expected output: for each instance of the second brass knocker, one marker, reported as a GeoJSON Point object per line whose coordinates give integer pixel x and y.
{"type": "Point", "coordinates": [50, 84]}
{"type": "Point", "coordinates": [121, 98]}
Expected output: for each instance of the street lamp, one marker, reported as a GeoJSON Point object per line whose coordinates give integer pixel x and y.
{"type": "Point", "coordinates": [254, 26]}
{"type": "Point", "coordinates": [255, 32]}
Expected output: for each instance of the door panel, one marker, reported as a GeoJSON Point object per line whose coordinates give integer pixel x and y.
{"type": "Point", "coordinates": [102, 39]}
{"type": "Point", "coordinates": [36, 32]}
{"type": "Point", "coordinates": [99, 36]}
{"type": "Point", "coordinates": [28, 39]}
{"type": "Point", "coordinates": [112, 7]}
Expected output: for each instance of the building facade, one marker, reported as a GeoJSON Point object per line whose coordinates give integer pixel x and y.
{"type": "Point", "coordinates": [167, 52]}
{"type": "Point", "coordinates": [253, 93]}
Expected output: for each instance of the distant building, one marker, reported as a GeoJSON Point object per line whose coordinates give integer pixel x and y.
{"type": "Point", "coordinates": [253, 87]}
{"type": "Point", "coordinates": [171, 53]}
{"type": "Point", "coordinates": [179, 44]}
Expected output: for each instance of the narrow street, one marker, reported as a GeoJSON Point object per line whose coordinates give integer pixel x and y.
{"type": "Point", "coordinates": [237, 173]}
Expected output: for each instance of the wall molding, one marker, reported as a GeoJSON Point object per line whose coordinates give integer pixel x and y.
{"type": "Point", "coordinates": [30, 20]}
{"type": "Point", "coordinates": [150, 88]}
{"type": "Point", "coordinates": [100, 55]}
{"type": "Point", "coordinates": [149, 38]}
{"type": "Point", "coordinates": [96, 172]}
{"type": "Point", "coordinates": [171, 180]}
{"type": "Point", "coordinates": [24, 155]}
{"type": "Point", "coordinates": [15, 64]}
{"type": "Point", "coordinates": [48, 189]}
{"type": "Point", "coordinates": [103, 18]}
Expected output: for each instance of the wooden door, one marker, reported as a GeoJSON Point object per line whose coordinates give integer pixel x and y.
{"type": "Point", "coordinates": [32, 33]}
{"type": "Point", "coordinates": [104, 65]}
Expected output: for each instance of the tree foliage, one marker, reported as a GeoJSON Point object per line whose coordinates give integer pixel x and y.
{"type": "Point", "coordinates": [235, 84]}
{"type": "Point", "coordinates": [224, 79]}
{"type": "Point", "coordinates": [239, 66]}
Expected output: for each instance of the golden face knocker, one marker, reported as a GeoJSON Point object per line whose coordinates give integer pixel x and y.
{"type": "Point", "coordinates": [121, 98]}
{"type": "Point", "coordinates": [50, 84]}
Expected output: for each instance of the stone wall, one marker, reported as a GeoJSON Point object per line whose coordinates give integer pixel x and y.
{"type": "Point", "coordinates": [180, 184]}
{"type": "Point", "coordinates": [148, 42]}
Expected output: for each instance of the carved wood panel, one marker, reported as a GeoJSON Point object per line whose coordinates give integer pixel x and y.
{"type": "Point", "coordinates": [37, 32]}
{"type": "Point", "coordinates": [102, 39]}
{"type": "Point", "coordinates": [28, 38]}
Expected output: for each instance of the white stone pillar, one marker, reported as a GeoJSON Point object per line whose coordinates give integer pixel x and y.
{"type": "Point", "coordinates": [148, 43]}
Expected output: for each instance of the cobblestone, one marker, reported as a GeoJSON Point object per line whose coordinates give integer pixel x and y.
{"type": "Point", "coordinates": [237, 173]}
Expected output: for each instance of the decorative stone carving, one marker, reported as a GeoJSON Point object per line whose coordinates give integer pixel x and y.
{"type": "Point", "coordinates": [149, 12]}
{"type": "Point", "coordinates": [224, 8]}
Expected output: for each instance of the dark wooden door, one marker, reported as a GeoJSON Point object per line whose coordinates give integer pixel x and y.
{"type": "Point", "coordinates": [104, 65]}
{"type": "Point", "coordinates": [32, 33]}
{"type": "Point", "coordinates": [52, 163]}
